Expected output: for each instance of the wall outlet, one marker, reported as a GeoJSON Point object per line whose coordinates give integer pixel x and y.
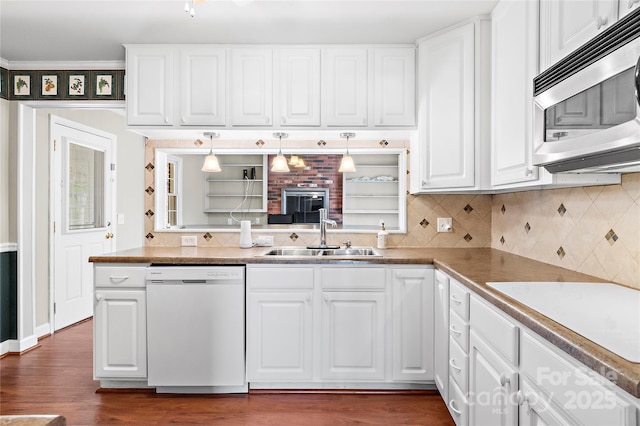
{"type": "Point", "coordinates": [445, 224]}
{"type": "Point", "coordinates": [189, 241]}
{"type": "Point", "coordinates": [263, 241]}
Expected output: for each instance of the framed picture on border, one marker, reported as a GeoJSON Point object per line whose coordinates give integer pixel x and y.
{"type": "Point", "coordinates": [104, 85]}
{"type": "Point", "coordinates": [21, 85]}
{"type": "Point", "coordinates": [4, 77]}
{"type": "Point", "coordinates": [50, 84]}
{"type": "Point", "coordinates": [77, 84]}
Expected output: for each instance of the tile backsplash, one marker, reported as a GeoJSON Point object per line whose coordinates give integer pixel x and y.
{"type": "Point", "coordinates": [594, 230]}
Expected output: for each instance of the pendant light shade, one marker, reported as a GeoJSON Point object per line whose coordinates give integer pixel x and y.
{"type": "Point", "coordinates": [279, 163]}
{"type": "Point", "coordinates": [347, 164]}
{"type": "Point", "coordinates": [211, 164]}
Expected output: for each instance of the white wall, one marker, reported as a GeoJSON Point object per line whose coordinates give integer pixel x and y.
{"type": "Point", "coordinates": [130, 187]}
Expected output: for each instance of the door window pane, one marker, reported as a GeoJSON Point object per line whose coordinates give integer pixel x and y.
{"type": "Point", "coordinates": [85, 204]}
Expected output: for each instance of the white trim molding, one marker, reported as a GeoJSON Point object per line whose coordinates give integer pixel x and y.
{"type": "Point", "coordinates": [4, 247]}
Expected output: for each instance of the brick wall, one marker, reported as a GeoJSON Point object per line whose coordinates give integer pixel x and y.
{"type": "Point", "coordinates": [320, 170]}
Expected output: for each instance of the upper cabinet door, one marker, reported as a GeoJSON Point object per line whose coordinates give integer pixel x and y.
{"type": "Point", "coordinates": [150, 89]}
{"type": "Point", "coordinates": [446, 132]}
{"type": "Point", "coordinates": [346, 85]}
{"type": "Point", "coordinates": [251, 86]}
{"type": "Point", "coordinates": [566, 25]}
{"type": "Point", "coordinates": [202, 86]}
{"type": "Point", "coordinates": [300, 87]}
{"type": "Point", "coordinates": [394, 86]}
{"type": "Point", "coordinates": [514, 30]}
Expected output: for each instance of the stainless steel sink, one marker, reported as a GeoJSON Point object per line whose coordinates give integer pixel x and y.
{"type": "Point", "coordinates": [305, 252]}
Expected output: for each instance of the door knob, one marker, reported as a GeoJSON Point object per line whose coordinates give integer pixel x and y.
{"type": "Point", "coordinates": [108, 235]}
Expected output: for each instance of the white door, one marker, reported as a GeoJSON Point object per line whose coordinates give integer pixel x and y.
{"type": "Point", "coordinates": [345, 93]}
{"type": "Point", "coordinates": [300, 87]}
{"type": "Point", "coordinates": [83, 208]}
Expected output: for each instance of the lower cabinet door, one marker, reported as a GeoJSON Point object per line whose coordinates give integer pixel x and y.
{"type": "Point", "coordinates": [493, 384]}
{"type": "Point", "coordinates": [353, 329]}
{"type": "Point", "coordinates": [535, 409]}
{"type": "Point", "coordinates": [279, 336]}
{"type": "Point", "coordinates": [120, 330]}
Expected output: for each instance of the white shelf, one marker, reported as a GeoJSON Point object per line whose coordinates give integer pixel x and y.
{"type": "Point", "coordinates": [232, 180]}
{"type": "Point", "coordinates": [370, 211]}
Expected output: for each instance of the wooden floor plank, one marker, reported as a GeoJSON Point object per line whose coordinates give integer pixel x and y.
{"type": "Point", "coordinates": [57, 378]}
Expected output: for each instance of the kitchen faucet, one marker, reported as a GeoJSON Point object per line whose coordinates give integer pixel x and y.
{"type": "Point", "coordinates": [323, 227]}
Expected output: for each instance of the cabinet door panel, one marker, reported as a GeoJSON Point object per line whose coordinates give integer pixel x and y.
{"type": "Point", "coordinates": [300, 87]}
{"type": "Point", "coordinates": [150, 74]}
{"type": "Point", "coordinates": [251, 87]}
{"type": "Point", "coordinates": [353, 335]}
{"type": "Point", "coordinates": [514, 27]}
{"type": "Point", "coordinates": [120, 334]}
{"type": "Point", "coordinates": [394, 87]}
{"type": "Point", "coordinates": [441, 333]}
{"type": "Point", "coordinates": [492, 386]}
{"type": "Point", "coordinates": [447, 109]}
{"type": "Point", "coordinates": [279, 336]}
{"type": "Point", "coordinates": [202, 86]}
{"type": "Point", "coordinates": [412, 324]}
{"type": "Point", "coordinates": [346, 77]}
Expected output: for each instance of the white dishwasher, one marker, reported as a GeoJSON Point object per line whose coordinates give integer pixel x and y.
{"type": "Point", "coordinates": [195, 329]}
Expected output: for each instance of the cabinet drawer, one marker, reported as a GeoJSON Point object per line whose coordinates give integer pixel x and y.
{"type": "Point", "coordinates": [459, 331]}
{"type": "Point", "coordinates": [495, 328]}
{"type": "Point", "coordinates": [458, 405]}
{"type": "Point", "coordinates": [119, 276]}
{"type": "Point", "coordinates": [574, 387]}
{"type": "Point", "coordinates": [286, 278]}
{"type": "Point", "coordinates": [458, 365]}
{"type": "Point", "coordinates": [353, 278]}
{"type": "Point", "coordinates": [459, 299]}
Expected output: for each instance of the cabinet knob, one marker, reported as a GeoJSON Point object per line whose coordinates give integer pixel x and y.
{"type": "Point", "coordinates": [98, 297]}
{"type": "Point", "coordinates": [364, 121]}
{"type": "Point", "coordinates": [166, 120]}
{"type": "Point", "coordinates": [266, 120]}
{"type": "Point", "coordinates": [284, 120]}
{"type": "Point", "coordinates": [528, 172]}
{"type": "Point", "coordinates": [424, 183]}
{"type": "Point", "coordinates": [521, 398]}
{"type": "Point", "coordinates": [601, 22]}
{"type": "Point", "coordinates": [454, 331]}
{"type": "Point", "coordinates": [183, 120]}
{"type": "Point", "coordinates": [326, 298]}
{"type": "Point", "coordinates": [455, 300]}
{"type": "Point", "coordinates": [504, 380]}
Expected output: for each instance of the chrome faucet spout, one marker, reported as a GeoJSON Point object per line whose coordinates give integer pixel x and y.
{"type": "Point", "coordinates": [324, 220]}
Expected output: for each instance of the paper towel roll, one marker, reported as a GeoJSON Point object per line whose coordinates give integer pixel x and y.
{"type": "Point", "coordinates": [245, 234]}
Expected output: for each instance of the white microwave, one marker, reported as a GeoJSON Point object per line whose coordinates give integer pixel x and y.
{"type": "Point", "coordinates": [587, 106]}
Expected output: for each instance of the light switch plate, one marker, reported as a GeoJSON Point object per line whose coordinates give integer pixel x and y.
{"type": "Point", "coordinates": [445, 224]}
{"type": "Point", "coordinates": [189, 241]}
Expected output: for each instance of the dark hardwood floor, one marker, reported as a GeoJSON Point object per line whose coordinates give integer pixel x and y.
{"type": "Point", "coordinates": [57, 378]}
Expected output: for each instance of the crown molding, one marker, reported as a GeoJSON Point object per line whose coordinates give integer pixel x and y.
{"type": "Point", "coordinates": [62, 65]}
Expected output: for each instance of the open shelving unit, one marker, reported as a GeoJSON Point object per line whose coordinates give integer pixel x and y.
{"type": "Point", "coordinates": [375, 192]}
{"type": "Point", "coordinates": [226, 190]}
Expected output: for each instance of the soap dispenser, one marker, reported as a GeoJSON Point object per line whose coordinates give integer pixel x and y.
{"type": "Point", "coordinates": [383, 236]}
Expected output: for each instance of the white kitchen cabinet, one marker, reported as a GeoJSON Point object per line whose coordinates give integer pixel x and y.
{"type": "Point", "coordinates": [251, 79]}
{"type": "Point", "coordinates": [346, 86]}
{"type": "Point", "coordinates": [453, 121]}
{"type": "Point", "coordinates": [514, 35]}
{"type": "Point", "coordinates": [413, 323]}
{"type": "Point", "coordinates": [441, 333]}
{"type": "Point", "coordinates": [299, 86]}
{"type": "Point", "coordinates": [280, 323]}
{"type": "Point", "coordinates": [353, 335]}
{"type": "Point", "coordinates": [565, 25]}
{"type": "Point", "coordinates": [625, 7]}
{"type": "Point", "coordinates": [493, 383]}
{"type": "Point", "coordinates": [120, 323]}
{"type": "Point", "coordinates": [150, 85]}
{"type": "Point", "coordinates": [535, 408]}
{"type": "Point", "coordinates": [394, 86]}
{"type": "Point", "coordinates": [202, 86]}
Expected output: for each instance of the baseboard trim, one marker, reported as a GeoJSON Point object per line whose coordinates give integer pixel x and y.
{"type": "Point", "coordinates": [427, 392]}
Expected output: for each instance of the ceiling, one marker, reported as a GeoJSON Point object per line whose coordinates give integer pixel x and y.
{"type": "Point", "coordinates": [94, 30]}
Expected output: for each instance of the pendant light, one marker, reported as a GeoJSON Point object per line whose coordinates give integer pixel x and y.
{"type": "Point", "coordinates": [211, 164]}
{"type": "Point", "coordinates": [346, 164]}
{"type": "Point", "coordinates": [279, 163]}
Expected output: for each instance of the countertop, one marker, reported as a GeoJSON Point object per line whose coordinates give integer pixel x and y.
{"type": "Point", "coordinates": [472, 267]}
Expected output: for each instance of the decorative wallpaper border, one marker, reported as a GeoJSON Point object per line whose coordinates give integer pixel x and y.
{"type": "Point", "coordinates": [55, 85]}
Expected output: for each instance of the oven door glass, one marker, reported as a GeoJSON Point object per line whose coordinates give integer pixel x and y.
{"type": "Point", "coordinates": [607, 104]}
